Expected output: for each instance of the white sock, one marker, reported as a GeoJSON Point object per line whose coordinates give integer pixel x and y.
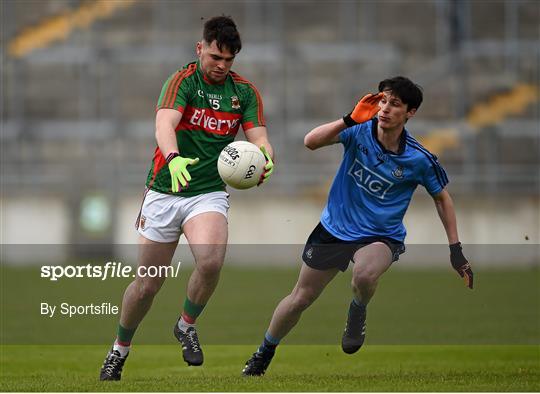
{"type": "Point", "coordinates": [123, 350]}
{"type": "Point", "coordinates": [183, 325]}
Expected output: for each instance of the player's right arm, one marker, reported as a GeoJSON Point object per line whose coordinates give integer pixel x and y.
{"type": "Point", "coordinates": [325, 134]}
{"type": "Point", "coordinates": [170, 107]}
{"type": "Point", "coordinates": [166, 122]}
{"type": "Point", "coordinates": [328, 133]}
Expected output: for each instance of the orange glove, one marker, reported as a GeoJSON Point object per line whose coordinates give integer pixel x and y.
{"type": "Point", "coordinates": [365, 109]}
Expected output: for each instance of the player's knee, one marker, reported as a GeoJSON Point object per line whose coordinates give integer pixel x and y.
{"type": "Point", "coordinates": [147, 289]}
{"type": "Point", "coordinates": [365, 278]}
{"type": "Point", "coordinates": [210, 267]}
{"type": "Point", "coordinates": [301, 300]}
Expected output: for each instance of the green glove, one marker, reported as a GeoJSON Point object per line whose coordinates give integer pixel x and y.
{"type": "Point", "coordinates": [268, 168]}
{"type": "Point", "coordinates": [178, 169]}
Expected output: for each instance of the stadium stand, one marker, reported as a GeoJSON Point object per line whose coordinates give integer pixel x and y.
{"type": "Point", "coordinates": [80, 80]}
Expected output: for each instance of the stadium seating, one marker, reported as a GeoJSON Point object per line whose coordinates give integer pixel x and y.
{"type": "Point", "coordinates": [82, 79]}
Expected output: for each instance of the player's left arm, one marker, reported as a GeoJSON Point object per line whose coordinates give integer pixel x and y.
{"type": "Point", "coordinates": [447, 214]}
{"type": "Point", "coordinates": [259, 136]}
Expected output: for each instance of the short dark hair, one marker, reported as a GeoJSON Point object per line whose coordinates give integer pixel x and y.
{"type": "Point", "coordinates": [222, 29]}
{"type": "Point", "coordinates": [407, 91]}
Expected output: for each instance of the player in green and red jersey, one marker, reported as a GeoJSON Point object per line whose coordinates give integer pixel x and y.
{"type": "Point", "coordinates": [200, 110]}
{"type": "Point", "coordinates": [212, 115]}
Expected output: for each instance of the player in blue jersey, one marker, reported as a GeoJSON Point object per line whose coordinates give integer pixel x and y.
{"type": "Point", "coordinates": [363, 218]}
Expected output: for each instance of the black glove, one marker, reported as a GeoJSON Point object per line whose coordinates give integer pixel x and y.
{"type": "Point", "coordinates": [460, 264]}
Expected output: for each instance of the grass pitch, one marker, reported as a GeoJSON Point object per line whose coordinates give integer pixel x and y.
{"type": "Point", "coordinates": [295, 368]}
{"type": "Point", "coordinates": [425, 332]}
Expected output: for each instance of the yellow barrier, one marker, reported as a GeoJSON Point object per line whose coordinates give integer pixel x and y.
{"type": "Point", "coordinates": [439, 140]}
{"type": "Point", "coordinates": [489, 113]}
{"type": "Point", "coordinates": [59, 27]}
{"type": "Point", "coordinates": [502, 105]}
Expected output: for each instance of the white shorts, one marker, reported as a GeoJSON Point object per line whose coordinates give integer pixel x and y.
{"type": "Point", "coordinates": [163, 215]}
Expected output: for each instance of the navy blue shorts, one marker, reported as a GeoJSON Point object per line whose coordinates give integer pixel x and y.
{"type": "Point", "coordinates": [323, 251]}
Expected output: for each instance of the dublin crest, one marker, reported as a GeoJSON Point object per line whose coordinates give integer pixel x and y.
{"type": "Point", "coordinates": [398, 172]}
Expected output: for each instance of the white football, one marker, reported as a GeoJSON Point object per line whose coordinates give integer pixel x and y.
{"type": "Point", "coordinates": [241, 164]}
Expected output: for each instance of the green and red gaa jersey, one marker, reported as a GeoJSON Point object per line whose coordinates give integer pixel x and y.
{"type": "Point", "coordinates": [212, 115]}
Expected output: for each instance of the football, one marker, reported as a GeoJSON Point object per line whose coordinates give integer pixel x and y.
{"type": "Point", "coordinates": [241, 164]}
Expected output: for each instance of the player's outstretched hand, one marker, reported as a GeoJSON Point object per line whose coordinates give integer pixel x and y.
{"type": "Point", "coordinates": [268, 168]}
{"type": "Point", "coordinates": [365, 109]}
{"type": "Point", "coordinates": [178, 169]}
{"type": "Point", "coordinates": [460, 264]}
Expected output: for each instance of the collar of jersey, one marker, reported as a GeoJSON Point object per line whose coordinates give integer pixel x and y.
{"type": "Point", "coordinates": [402, 139]}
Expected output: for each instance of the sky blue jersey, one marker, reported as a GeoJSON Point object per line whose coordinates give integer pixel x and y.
{"type": "Point", "coordinates": [373, 186]}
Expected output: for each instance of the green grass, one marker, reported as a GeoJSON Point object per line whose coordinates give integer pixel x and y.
{"type": "Point", "coordinates": [295, 368]}
{"type": "Point", "coordinates": [412, 307]}
{"type": "Point", "coordinates": [426, 332]}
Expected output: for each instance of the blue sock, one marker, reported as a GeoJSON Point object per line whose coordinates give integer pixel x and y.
{"type": "Point", "coordinates": [358, 303]}
{"type": "Point", "coordinates": [269, 344]}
